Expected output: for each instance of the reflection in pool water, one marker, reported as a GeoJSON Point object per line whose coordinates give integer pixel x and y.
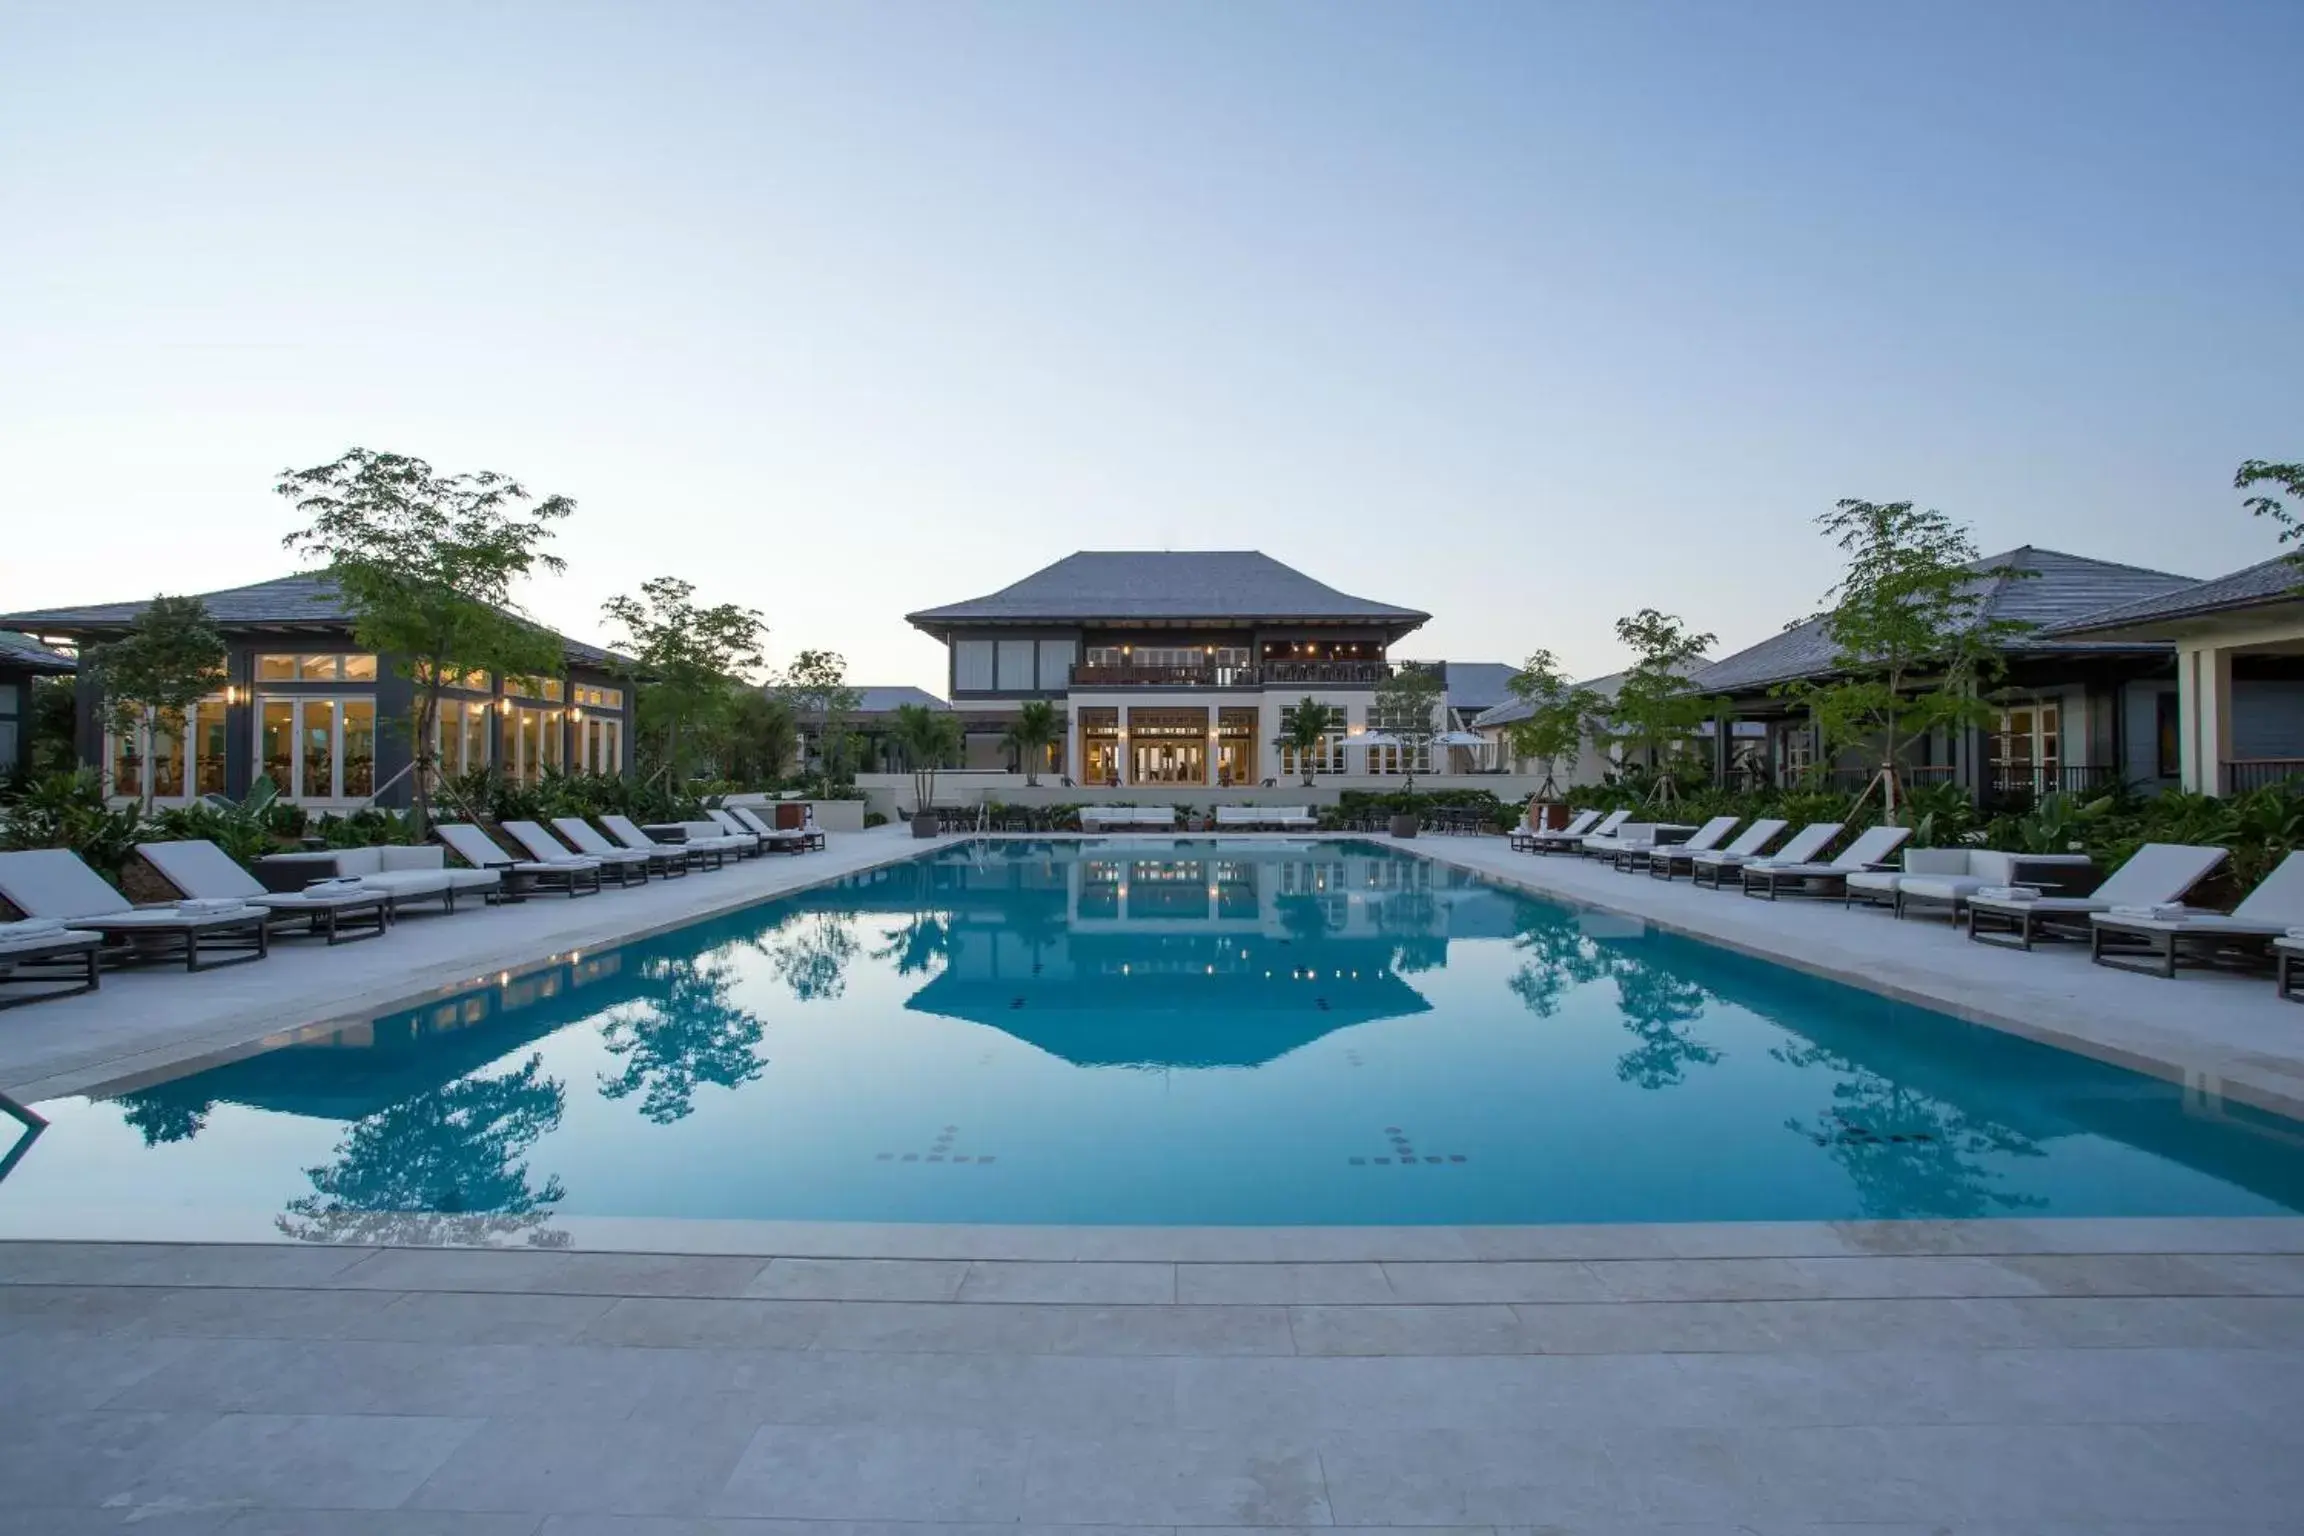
{"type": "Point", "coordinates": [1160, 1032]}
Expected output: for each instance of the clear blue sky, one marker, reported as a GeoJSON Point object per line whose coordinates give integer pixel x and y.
{"type": "Point", "coordinates": [1526, 314]}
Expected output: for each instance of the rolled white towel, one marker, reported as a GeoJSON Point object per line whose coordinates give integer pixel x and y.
{"type": "Point", "coordinates": [2295, 933]}
{"type": "Point", "coordinates": [1762, 863]}
{"type": "Point", "coordinates": [31, 927]}
{"type": "Point", "coordinates": [204, 905]}
{"type": "Point", "coordinates": [572, 860]}
{"type": "Point", "coordinates": [2009, 892]}
{"type": "Point", "coordinates": [2157, 911]}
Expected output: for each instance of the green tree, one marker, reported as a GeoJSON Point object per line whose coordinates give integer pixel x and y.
{"type": "Point", "coordinates": [1560, 715]}
{"type": "Point", "coordinates": [1305, 728]}
{"type": "Point", "coordinates": [1037, 728]}
{"type": "Point", "coordinates": [687, 664]}
{"type": "Point", "coordinates": [426, 563]}
{"type": "Point", "coordinates": [816, 684]}
{"type": "Point", "coordinates": [929, 738]}
{"type": "Point", "coordinates": [2285, 480]}
{"type": "Point", "coordinates": [171, 658]}
{"type": "Point", "coordinates": [761, 738]}
{"type": "Point", "coordinates": [1909, 640]}
{"type": "Point", "coordinates": [1655, 710]}
{"type": "Point", "coordinates": [1406, 707]}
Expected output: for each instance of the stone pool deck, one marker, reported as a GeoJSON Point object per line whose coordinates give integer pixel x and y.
{"type": "Point", "coordinates": [1957, 1379]}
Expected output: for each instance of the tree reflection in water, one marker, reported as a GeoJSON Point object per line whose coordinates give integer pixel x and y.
{"type": "Point", "coordinates": [444, 1166]}
{"type": "Point", "coordinates": [688, 1033]}
{"type": "Point", "coordinates": [811, 955]}
{"type": "Point", "coordinates": [1656, 1004]}
{"type": "Point", "coordinates": [918, 946]}
{"type": "Point", "coordinates": [1909, 1155]}
{"type": "Point", "coordinates": [161, 1116]}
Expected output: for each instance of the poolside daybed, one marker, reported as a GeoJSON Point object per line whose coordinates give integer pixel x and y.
{"type": "Point", "coordinates": [52, 882]}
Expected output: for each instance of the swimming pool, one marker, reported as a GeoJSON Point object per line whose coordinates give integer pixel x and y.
{"type": "Point", "coordinates": [1209, 1032]}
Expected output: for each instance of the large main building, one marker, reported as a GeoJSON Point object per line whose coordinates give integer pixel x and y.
{"type": "Point", "coordinates": [1178, 668]}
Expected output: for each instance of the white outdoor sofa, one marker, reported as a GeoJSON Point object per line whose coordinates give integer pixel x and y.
{"type": "Point", "coordinates": [1129, 818]}
{"type": "Point", "coordinates": [2271, 912]}
{"type": "Point", "coordinates": [341, 909]}
{"type": "Point", "coordinates": [407, 875]}
{"type": "Point", "coordinates": [52, 882]}
{"type": "Point", "coordinates": [1266, 818]}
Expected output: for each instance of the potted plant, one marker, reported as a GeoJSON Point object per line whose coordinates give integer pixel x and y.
{"type": "Point", "coordinates": [1407, 708]}
{"type": "Point", "coordinates": [927, 737]}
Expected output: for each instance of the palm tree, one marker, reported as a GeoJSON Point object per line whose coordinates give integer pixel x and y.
{"type": "Point", "coordinates": [927, 737]}
{"type": "Point", "coordinates": [1038, 727]}
{"type": "Point", "coordinates": [1308, 726]}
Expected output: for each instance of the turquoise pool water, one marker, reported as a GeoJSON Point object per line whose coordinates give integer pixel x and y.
{"type": "Point", "coordinates": [1169, 1032]}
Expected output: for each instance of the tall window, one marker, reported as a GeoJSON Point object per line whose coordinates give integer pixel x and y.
{"type": "Point", "coordinates": [318, 749]}
{"type": "Point", "coordinates": [2028, 745]}
{"type": "Point", "coordinates": [1328, 757]}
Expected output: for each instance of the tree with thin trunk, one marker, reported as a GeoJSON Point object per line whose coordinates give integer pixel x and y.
{"type": "Point", "coordinates": [1306, 728]}
{"type": "Point", "coordinates": [426, 563]}
{"type": "Point", "coordinates": [686, 661]}
{"type": "Point", "coordinates": [1407, 708]}
{"type": "Point", "coordinates": [1910, 639]}
{"type": "Point", "coordinates": [816, 684]}
{"type": "Point", "coordinates": [1656, 709]}
{"type": "Point", "coordinates": [1560, 715]}
{"type": "Point", "coordinates": [171, 658]}
{"type": "Point", "coordinates": [1037, 727]}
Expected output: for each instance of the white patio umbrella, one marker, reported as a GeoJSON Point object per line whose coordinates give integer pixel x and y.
{"type": "Point", "coordinates": [1461, 739]}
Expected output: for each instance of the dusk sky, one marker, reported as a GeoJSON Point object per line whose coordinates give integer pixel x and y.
{"type": "Point", "coordinates": [1528, 315]}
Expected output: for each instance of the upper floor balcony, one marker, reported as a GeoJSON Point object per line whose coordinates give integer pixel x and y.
{"type": "Point", "coordinates": [1233, 675]}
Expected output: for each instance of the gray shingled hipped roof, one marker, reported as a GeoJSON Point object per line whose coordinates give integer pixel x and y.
{"type": "Point", "coordinates": [2067, 587]}
{"type": "Point", "coordinates": [24, 653]}
{"type": "Point", "coordinates": [308, 598]}
{"type": "Point", "coordinates": [1477, 685]}
{"type": "Point", "coordinates": [1226, 585]}
{"type": "Point", "coordinates": [1513, 710]}
{"type": "Point", "coordinates": [2273, 581]}
{"type": "Point", "coordinates": [875, 700]}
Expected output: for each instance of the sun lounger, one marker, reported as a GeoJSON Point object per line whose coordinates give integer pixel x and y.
{"type": "Point", "coordinates": [1572, 842]}
{"type": "Point", "coordinates": [1629, 837]}
{"type": "Point", "coordinates": [1669, 860]}
{"type": "Point", "coordinates": [341, 909]}
{"type": "Point", "coordinates": [2272, 911]}
{"type": "Point", "coordinates": [1636, 853]}
{"type": "Point", "coordinates": [587, 839]}
{"type": "Point", "coordinates": [1870, 850]}
{"type": "Point", "coordinates": [569, 873]}
{"type": "Point", "coordinates": [807, 833]}
{"type": "Point", "coordinates": [2155, 875]}
{"type": "Point", "coordinates": [52, 882]}
{"type": "Point", "coordinates": [793, 841]}
{"type": "Point", "coordinates": [629, 866]}
{"type": "Point", "coordinates": [2287, 954]}
{"type": "Point", "coordinates": [1523, 836]}
{"type": "Point", "coordinates": [1804, 845]}
{"type": "Point", "coordinates": [408, 875]}
{"type": "Point", "coordinates": [41, 951]}
{"type": "Point", "coordinates": [713, 845]}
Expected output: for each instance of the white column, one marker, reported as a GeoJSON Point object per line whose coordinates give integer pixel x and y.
{"type": "Point", "coordinates": [1124, 757]}
{"type": "Point", "coordinates": [2204, 716]}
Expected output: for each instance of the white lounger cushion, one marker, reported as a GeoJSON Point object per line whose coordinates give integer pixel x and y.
{"type": "Point", "coordinates": [2155, 872]}
{"type": "Point", "coordinates": [1805, 845]}
{"type": "Point", "coordinates": [1870, 847]}
{"type": "Point", "coordinates": [52, 882]}
{"type": "Point", "coordinates": [547, 849]}
{"type": "Point", "coordinates": [1708, 836]}
{"type": "Point", "coordinates": [2270, 910]}
{"type": "Point", "coordinates": [200, 869]}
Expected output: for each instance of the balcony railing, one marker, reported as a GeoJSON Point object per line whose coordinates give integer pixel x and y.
{"type": "Point", "coordinates": [2247, 773]}
{"type": "Point", "coordinates": [1288, 674]}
